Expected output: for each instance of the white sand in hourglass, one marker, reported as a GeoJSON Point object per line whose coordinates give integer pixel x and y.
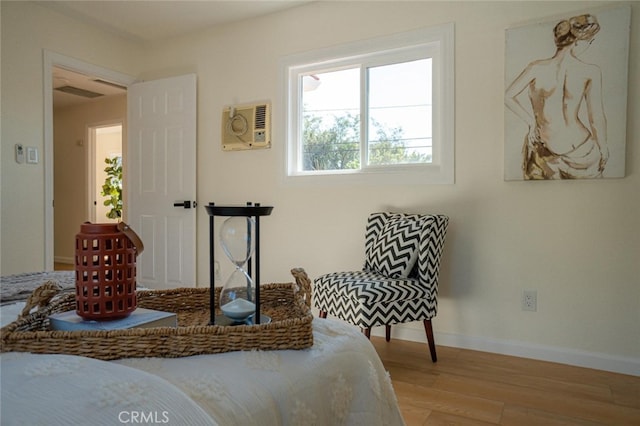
{"type": "Point", "coordinates": [238, 309]}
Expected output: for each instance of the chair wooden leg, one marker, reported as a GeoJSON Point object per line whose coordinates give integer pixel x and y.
{"type": "Point", "coordinates": [367, 332]}
{"type": "Point", "coordinates": [387, 332]}
{"type": "Point", "coordinates": [322, 314]}
{"type": "Point", "coordinates": [432, 343]}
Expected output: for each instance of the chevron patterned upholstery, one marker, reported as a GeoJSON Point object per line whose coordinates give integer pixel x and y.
{"type": "Point", "coordinates": [395, 249]}
{"type": "Point", "coordinates": [368, 298]}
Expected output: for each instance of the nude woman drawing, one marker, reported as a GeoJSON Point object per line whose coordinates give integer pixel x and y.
{"type": "Point", "coordinates": [558, 144]}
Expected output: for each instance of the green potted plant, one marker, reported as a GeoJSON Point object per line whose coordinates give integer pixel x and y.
{"type": "Point", "coordinates": [112, 188]}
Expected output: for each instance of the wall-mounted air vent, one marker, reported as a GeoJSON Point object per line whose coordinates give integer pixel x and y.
{"type": "Point", "coordinates": [261, 117]}
{"type": "Point", "coordinates": [246, 127]}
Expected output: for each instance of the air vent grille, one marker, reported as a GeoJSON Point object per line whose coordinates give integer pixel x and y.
{"type": "Point", "coordinates": [261, 117]}
{"type": "Point", "coordinates": [79, 92]}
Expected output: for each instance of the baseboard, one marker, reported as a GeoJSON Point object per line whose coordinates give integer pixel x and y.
{"type": "Point", "coordinates": [598, 361]}
{"type": "Point", "coordinates": [65, 260]}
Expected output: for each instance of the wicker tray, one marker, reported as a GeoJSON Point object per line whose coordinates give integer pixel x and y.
{"type": "Point", "coordinates": [287, 304]}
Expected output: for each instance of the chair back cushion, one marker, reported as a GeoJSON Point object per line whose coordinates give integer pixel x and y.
{"type": "Point", "coordinates": [401, 245]}
{"type": "Point", "coordinates": [394, 251]}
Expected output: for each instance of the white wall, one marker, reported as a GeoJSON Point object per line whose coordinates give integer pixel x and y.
{"type": "Point", "coordinates": [27, 29]}
{"type": "Point", "coordinates": [576, 242]}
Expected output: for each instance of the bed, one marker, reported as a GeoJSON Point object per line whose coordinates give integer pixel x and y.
{"type": "Point", "coordinates": [339, 380]}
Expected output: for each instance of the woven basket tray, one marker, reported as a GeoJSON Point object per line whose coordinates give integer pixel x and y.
{"type": "Point", "coordinates": [287, 304]}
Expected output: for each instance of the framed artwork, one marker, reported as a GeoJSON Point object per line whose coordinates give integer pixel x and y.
{"type": "Point", "coordinates": [566, 96]}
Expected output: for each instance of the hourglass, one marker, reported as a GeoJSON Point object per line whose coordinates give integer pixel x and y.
{"type": "Point", "coordinates": [239, 299]}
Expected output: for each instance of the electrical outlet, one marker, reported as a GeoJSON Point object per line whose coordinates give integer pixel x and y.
{"type": "Point", "coordinates": [530, 300]}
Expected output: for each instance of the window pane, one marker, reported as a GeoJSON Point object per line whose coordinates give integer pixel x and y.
{"type": "Point", "coordinates": [400, 113]}
{"type": "Point", "coordinates": [331, 120]}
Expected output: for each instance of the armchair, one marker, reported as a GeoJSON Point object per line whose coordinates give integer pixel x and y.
{"type": "Point", "coordinates": [399, 280]}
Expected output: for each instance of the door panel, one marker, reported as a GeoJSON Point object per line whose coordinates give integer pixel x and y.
{"type": "Point", "coordinates": [162, 171]}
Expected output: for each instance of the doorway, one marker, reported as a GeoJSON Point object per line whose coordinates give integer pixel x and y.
{"type": "Point", "coordinates": [105, 173]}
{"type": "Point", "coordinates": [53, 61]}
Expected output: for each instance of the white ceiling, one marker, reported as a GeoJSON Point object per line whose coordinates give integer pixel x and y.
{"type": "Point", "coordinates": [147, 21]}
{"type": "Point", "coordinates": [154, 20]}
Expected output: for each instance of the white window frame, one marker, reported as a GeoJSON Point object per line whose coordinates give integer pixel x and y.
{"type": "Point", "coordinates": [438, 43]}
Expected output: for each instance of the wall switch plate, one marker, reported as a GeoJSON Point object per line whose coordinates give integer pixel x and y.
{"type": "Point", "coordinates": [32, 155]}
{"type": "Point", "coordinates": [19, 153]}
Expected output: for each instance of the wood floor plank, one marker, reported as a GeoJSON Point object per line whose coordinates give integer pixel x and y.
{"type": "Point", "coordinates": [519, 375]}
{"type": "Point", "coordinates": [409, 374]}
{"type": "Point", "coordinates": [442, 419]}
{"type": "Point", "coordinates": [539, 368]}
{"type": "Point", "coordinates": [548, 401]}
{"type": "Point", "coordinates": [413, 416]}
{"type": "Point", "coordinates": [64, 267]}
{"type": "Point", "coordinates": [470, 407]}
{"type": "Point", "coordinates": [626, 393]}
{"type": "Point", "coordinates": [474, 388]}
{"type": "Point", "coordinates": [519, 416]}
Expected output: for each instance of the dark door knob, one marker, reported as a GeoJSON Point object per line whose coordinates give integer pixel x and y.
{"type": "Point", "coordinates": [185, 204]}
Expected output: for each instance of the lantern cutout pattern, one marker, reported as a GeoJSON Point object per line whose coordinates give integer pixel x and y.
{"type": "Point", "coordinates": [238, 295]}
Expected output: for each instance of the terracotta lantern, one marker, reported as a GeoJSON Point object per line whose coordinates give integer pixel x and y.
{"type": "Point", "coordinates": [106, 270]}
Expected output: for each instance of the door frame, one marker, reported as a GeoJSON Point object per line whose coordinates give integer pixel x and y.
{"type": "Point", "coordinates": [50, 60]}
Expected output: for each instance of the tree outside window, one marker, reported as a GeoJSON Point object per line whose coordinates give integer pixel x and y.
{"type": "Point", "coordinates": [398, 98]}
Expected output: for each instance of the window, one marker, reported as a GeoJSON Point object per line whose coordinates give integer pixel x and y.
{"type": "Point", "coordinates": [379, 109]}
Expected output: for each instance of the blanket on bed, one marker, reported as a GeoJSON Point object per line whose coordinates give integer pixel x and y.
{"type": "Point", "coordinates": [18, 287]}
{"type": "Point", "coordinates": [340, 380]}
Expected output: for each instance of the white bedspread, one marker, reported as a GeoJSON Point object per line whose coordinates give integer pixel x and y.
{"type": "Point", "coordinates": [338, 381]}
{"type": "Point", "coordinates": [70, 390]}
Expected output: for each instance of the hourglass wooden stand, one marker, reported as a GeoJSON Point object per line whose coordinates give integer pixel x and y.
{"type": "Point", "coordinates": [250, 210]}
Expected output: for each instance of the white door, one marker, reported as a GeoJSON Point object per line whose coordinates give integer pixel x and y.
{"type": "Point", "coordinates": [161, 173]}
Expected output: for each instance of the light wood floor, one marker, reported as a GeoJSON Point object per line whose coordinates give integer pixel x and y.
{"type": "Point", "coordinates": [476, 388]}
{"type": "Point", "coordinates": [63, 267]}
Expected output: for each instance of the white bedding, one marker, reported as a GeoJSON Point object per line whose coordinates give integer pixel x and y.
{"type": "Point", "coordinates": [340, 380]}
{"type": "Point", "coordinates": [70, 390]}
